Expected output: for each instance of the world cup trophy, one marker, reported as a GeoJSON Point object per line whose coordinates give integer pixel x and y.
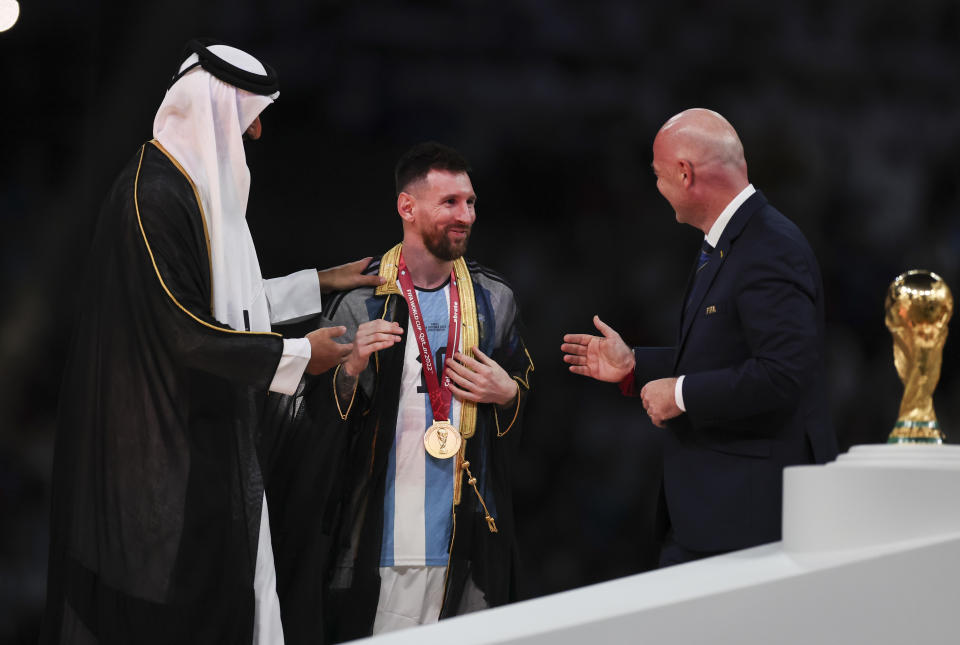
{"type": "Point", "coordinates": [918, 307]}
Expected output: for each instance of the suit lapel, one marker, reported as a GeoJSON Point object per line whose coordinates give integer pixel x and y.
{"type": "Point", "coordinates": [701, 284]}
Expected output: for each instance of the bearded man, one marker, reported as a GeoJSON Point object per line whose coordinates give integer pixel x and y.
{"type": "Point", "coordinates": [414, 510]}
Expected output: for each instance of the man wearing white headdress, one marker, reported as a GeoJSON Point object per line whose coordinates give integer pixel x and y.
{"type": "Point", "coordinates": [159, 525]}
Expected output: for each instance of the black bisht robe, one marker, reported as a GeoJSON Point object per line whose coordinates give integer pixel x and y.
{"type": "Point", "coordinates": [326, 477]}
{"type": "Point", "coordinates": [156, 485]}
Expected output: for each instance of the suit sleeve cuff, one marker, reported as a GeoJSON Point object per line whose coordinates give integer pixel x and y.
{"type": "Point", "coordinates": [678, 393]}
{"type": "Point", "coordinates": [293, 362]}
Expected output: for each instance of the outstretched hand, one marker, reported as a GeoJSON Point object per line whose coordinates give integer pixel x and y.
{"type": "Point", "coordinates": [605, 358]}
{"type": "Point", "coordinates": [347, 276]}
{"type": "Point", "coordinates": [324, 351]}
{"type": "Point", "coordinates": [480, 379]}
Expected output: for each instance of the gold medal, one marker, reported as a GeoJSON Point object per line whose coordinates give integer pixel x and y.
{"type": "Point", "coordinates": [442, 440]}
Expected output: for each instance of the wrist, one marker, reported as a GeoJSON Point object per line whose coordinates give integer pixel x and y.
{"type": "Point", "coordinates": [631, 365]}
{"type": "Point", "coordinates": [352, 368]}
{"type": "Point", "coordinates": [509, 395]}
{"type": "Point", "coordinates": [628, 384]}
{"type": "Point", "coordinates": [324, 287]}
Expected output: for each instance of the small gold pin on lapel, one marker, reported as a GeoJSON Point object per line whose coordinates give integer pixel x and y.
{"type": "Point", "coordinates": [712, 309]}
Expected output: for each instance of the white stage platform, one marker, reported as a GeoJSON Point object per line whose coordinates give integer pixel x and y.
{"type": "Point", "coordinates": [871, 554]}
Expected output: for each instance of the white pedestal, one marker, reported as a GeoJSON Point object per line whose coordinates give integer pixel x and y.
{"type": "Point", "coordinates": [871, 554]}
{"type": "Point", "coordinates": [870, 496]}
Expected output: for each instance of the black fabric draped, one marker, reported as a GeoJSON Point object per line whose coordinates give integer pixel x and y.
{"type": "Point", "coordinates": [156, 485]}
{"type": "Point", "coordinates": [326, 479]}
{"type": "Point", "coordinates": [301, 456]}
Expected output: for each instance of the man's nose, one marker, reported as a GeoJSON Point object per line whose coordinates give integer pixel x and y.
{"type": "Point", "coordinates": [466, 214]}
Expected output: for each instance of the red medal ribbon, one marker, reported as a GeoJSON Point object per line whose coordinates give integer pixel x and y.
{"type": "Point", "coordinates": [439, 397]}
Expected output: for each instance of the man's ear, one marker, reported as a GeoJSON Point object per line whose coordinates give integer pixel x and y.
{"type": "Point", "coordinates": [405, 204]}
{"type": "Point", "coordinates": [685, 173]}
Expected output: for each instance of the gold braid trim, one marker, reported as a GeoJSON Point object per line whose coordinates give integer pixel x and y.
{"type": "Point", "coordinates": [388, 269]}
{"type": "Point", "coordinates": [491, 524]}
{"type": "Point", "coordinates": [516, 411]}
{"type": "Point", "coordinates": [336, 395]}
{"type": "Point", "coordinates": [470, 334]}
{"type": "Point", "coordinates": [203, 217]}
{"type": "Point", "coordinates": [525, 383]}
{"type": "Point", "coordinates": [156, 269]}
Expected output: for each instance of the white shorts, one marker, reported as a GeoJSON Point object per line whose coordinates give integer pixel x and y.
{"type": "Point", "coordinates": [409, 596]}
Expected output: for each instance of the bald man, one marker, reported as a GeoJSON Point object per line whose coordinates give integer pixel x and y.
{"type": "Point", "coordinates": [741, 394]}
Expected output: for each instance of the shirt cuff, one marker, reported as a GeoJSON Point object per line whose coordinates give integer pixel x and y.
{"type": "Point", "coordinates": [293, 362]}
{"type": "Point", "coordinates": [678, 393]}
{"type": "Point", "coordinates": [293, 297]}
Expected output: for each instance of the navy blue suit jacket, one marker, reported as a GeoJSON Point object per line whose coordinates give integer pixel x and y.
{"type": "Point", "coordinates": [751, 347]}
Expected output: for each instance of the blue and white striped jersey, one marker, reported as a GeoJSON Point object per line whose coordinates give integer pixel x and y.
{"type": "Point", "coordinates": [418, 501]}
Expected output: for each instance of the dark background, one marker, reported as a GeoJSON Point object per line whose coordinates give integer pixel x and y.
{"type": "Point", "coordinates": [848, 112]}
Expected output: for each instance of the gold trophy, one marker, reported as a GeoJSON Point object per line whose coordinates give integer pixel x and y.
{"type": "Point", "coordinates": [919, 305]}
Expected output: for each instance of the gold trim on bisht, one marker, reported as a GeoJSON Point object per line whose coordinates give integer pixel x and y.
{"type": "Point", "coordinates": [469, 329]}
{"type": "Point", "coordinates": [470, 333]}
{"type": "Point", "coordinates": [388, 269]}
{"type": "Point", "coordinates": [203, 216]}
{"type": "Point", "coordinates": [156, 269]}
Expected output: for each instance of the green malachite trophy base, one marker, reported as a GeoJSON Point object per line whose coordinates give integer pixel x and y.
{"type": "Point", "coordinates": [916, 432]}
{"type": "Point", "coordinates": [915, 440]}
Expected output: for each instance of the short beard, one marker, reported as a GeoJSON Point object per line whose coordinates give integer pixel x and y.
{"type": "Point", "coordinates": [441, 247]}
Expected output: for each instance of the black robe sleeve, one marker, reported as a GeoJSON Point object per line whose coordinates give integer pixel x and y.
{"type": "Point", "coordinates": [175, 242]}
